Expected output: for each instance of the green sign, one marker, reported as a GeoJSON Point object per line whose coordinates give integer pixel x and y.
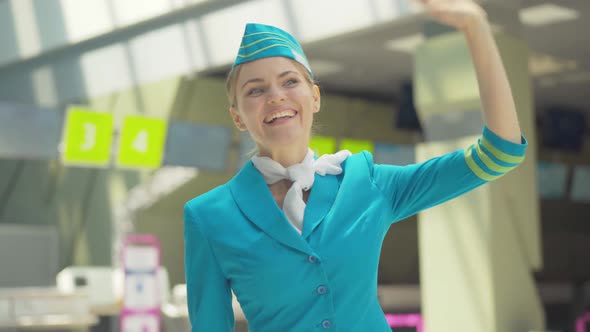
{"type": "Point", "coordinates": [87, 137]}
{"type": "Point", "coordinates": [142, 142]}
{"type": "Point", "coordinates": [356, 146]}
{"type": "Point", "coordinates": [322, 145]}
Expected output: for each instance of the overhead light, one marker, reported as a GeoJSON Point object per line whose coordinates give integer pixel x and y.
{"type": "Point", "coordinates": [541, 65]}
{"type": "Point", "coordinates": [567, 78]}
{"type": "Point", "coordinates": [325, 67]}
{"type": "Point", "coordinates": [406, 44]}
{"type": "Point", "coordinates": [547, 14]}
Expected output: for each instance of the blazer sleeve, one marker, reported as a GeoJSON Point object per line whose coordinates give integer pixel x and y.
{"type": "Point", "coordinates": [413, 188]}
{"type": "Point", "coordinates": [208, 291]}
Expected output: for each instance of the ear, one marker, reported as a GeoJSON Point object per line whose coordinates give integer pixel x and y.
{"type": "Point", "coordinates": [316, 98]}
{"type": "Point", "coordinates": [236, 117]}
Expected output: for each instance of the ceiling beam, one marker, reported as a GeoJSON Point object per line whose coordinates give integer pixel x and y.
{"type": "Point", "coordinates": [113, 37]}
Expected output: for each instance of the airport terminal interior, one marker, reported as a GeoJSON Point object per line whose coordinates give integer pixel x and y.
{"type": "Point", "coordinates": [113, 114]}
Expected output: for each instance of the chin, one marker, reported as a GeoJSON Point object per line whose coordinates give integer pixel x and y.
{"type": "Point", "coordinates": [288, 137]}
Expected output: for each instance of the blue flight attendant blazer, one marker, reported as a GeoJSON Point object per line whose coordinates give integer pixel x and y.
{"type": "Point", "coordinates": [325, 279]}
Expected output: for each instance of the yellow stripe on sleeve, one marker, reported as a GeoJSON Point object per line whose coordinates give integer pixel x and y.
{"type": "Point", "coordinates": [480, 173]}
{"type": "Point", "coordinates": [507, 158]}
{"type": "Point", "coordinates": [492, 165]}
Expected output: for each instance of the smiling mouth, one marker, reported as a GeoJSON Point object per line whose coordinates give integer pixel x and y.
{"type": "Point", "coordinates": [279, 116]}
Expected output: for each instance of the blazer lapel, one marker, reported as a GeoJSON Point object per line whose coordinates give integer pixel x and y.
{"type": "Point", "coordinates": [321, 199]}
{"type": "Point", "coordinates": [255, 200]}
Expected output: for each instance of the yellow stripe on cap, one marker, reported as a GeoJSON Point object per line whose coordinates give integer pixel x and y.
{"type": "Point", "coordinates": [505, 157]}
{"type": "Point", "coordinates": [262, 49]}
{"type": "Point", "coordinates": [480, 173]}
{"type": "Point", "coordinates": [269, 33]}
{"type": "Point", "coordinates": [263, 39]}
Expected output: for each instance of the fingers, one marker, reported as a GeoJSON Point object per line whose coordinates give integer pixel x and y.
{"type": "Point", "coordinates": [430, 3]}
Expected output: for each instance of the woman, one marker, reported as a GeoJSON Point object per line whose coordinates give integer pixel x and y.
{"type": "Point", "coordinates": [298, 239]}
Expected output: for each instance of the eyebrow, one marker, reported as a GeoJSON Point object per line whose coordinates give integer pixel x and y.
{"type": "Point", "coordinates": [255, 80]}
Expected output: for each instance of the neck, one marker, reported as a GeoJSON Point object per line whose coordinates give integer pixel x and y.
{"type": "Point", "coordinates": [285, 155]}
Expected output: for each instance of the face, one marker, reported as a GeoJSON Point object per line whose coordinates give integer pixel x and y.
{"type": "Point", "coordinates": [275, 102]}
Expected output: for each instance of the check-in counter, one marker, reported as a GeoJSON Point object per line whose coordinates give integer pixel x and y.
{"type": "Point", "coordinates": [45, 309]}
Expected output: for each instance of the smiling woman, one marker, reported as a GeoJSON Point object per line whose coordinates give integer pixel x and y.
{"type": "Point", "coordinates": [275, 104]}
{"type": "Point", "coordinates": [298, 237]}
{"type": "Point", "coordinates": [291, 80]}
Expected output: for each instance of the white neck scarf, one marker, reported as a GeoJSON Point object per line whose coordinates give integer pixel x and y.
{"type": "Point", "coordinates": [302, 175]}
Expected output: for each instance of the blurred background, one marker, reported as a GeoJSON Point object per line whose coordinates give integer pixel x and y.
{"type": "Point", "coordinates": [113, 114]}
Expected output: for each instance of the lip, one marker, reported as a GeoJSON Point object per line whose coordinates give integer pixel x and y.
{"type": "Point", "coordinates": [274, 111]}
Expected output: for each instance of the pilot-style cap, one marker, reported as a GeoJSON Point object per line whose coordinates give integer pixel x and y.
{"type": "Point", "coordinates": [265, 41]}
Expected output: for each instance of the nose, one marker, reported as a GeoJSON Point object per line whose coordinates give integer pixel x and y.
{"type": "Point", "coordinates": [275, 95]}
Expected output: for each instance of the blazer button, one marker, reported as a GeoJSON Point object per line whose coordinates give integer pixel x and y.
{"type": "Point", "coordinates": [322, 290]}
{"type": "Point", "coordinates": [312, 259]}
{"type": "Point", "coordinates": [326, 324]}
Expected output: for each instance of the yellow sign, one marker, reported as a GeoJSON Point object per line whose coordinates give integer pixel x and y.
{"type": "Point", "coordinates": [322, 145]}
{"type": "Point", "coordinates": [356, 146]}
{"type": "Point", "coordinates": [142, 142]}
{"type": "Point", "coordinates": [87, 137]}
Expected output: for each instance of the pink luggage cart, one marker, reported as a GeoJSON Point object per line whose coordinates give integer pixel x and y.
{"type": "Point", "coordinates": [140, 312]}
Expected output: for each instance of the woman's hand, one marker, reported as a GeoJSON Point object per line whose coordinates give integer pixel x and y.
{"type": "Point", "coordinates": [460, 14]}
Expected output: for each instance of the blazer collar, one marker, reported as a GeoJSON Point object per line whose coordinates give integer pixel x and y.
{"type": "Point", "coordinates": [255, 200]}
{"type": "Point", "coordinates": [320, 201]}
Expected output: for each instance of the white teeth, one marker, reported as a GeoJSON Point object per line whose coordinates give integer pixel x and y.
{"type": "Point", "coordinates": [278, 115]}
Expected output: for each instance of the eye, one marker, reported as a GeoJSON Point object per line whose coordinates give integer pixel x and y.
{"type": "Point", "coordinates": [254, 91]}
{"type": "Point", "coordinates": [291, 82]}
